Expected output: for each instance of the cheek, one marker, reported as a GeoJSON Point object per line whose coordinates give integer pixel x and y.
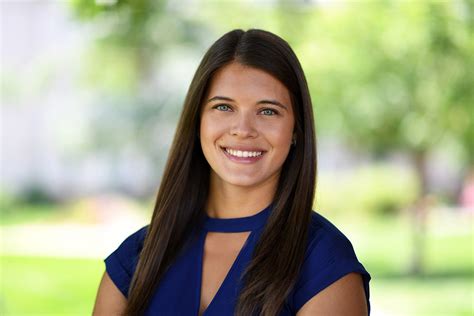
{"type": "Point", "coordinates": [209, 130]}
{"type": "Point", "coordinates": [279, 134]}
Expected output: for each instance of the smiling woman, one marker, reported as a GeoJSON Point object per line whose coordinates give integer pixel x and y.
{"type": "Point", "coordinates": [247, 139]}
{"type": "Point", "coordinates": [233, 231]}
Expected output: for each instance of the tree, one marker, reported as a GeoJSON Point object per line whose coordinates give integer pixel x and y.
{"type": "Point", "coordinates": [400, 78]}
{"type": "Point", "coordinates": [133, 107]}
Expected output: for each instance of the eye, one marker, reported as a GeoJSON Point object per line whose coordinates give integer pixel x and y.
{"type": "Point", "coordinates": [222, 107]}
{"type": "Point", "coordinates": [269, 112]}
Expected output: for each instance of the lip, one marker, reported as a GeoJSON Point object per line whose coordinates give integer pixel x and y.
{"type": "Point", "coordinates": [244, 160]}
{"type": "Point", "coordinates": [243, 148]}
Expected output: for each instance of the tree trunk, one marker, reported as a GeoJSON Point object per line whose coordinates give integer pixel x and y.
{"type": "Point", "coordinates": [419, 214]}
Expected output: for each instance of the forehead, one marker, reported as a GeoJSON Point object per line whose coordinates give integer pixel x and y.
{"type": "Point", "coordinates": [244, 83]}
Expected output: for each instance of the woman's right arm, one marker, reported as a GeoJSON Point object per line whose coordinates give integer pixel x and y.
{"type": "Point", "coordinates": [109, 300]}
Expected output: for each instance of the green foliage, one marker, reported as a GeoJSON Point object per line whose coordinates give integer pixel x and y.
{"type": "Point", "coordinates": [384, 75]}
{"type": "Point", "coordinates": [111, 70]}
{"type": "Point", "coordinates": [398, 72]}
{"type": "Point", "coordinates": [132, 36]}
{"type": "Point", "coordinates": [372, 190]}
{"type": "Point", "coordinates": [7, 200]}
{"type": "Point", "coordinates": [19, 212]}
{"type": "Point", "coordinates": [36, 193]}
{"type": "Point", "coordinates": [122, 71]}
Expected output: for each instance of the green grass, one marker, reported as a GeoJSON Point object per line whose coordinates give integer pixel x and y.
{"type": "Point", "coordinates": [28, 213]}
{"type": "Point", "coordinates": [49, 286]}
{"type": "Point", "coordinates": [60, 286]}
{"type": "Point", "coordinates": [384, 246]}
{"type": "Point", "coordinates": [423, 296]}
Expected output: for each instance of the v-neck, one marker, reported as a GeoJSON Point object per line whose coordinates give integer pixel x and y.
{"type": "Point", "coordinates": [240, 224]}
{"type": "Point", "coordinates": [226, 279]}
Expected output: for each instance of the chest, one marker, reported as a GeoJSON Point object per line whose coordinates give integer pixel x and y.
{"type": "Point", "coordinates": [220, 251]}
{"type": "Point", "coordinates": [205, 279]}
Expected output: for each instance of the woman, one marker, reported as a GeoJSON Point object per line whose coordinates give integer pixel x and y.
{"type": "Point", "coordinates": [233, 231]}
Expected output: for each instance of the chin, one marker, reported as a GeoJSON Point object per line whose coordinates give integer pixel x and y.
{"type": "Point", "coordinates": [242, 181]}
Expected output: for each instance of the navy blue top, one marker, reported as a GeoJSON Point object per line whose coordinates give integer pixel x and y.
{"type": "Point", "coordinates": [329, 256]}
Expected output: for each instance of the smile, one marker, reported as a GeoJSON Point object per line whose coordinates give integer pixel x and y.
{"type": "Point", "coordinates": [241, 153]}
{"type": "Point", "coordinates": [243, 156]}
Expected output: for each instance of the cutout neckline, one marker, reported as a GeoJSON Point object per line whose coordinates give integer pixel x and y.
{"type": "Point", "coordinates": [237, 224]}
{"type": "Point", "coordinates": [227, 278]}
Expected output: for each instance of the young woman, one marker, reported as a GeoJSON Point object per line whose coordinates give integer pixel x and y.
{"type": "Point", "coordinates": [233, 231]}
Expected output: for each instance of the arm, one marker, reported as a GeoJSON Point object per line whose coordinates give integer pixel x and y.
{"type": "Point", "coordinates": [344, 297]}
{"type": "Point", "coordinates": [109, 300]}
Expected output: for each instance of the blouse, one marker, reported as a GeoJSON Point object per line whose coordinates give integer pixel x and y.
{"type": "Point", "coordinates": [329, 256]}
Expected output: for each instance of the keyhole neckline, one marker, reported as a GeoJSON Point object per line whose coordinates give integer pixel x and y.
{"type": "Point", "coordinates": [238, 224]}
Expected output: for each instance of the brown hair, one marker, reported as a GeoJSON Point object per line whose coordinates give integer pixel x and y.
{"type": "Point", "coordinates": [279, 253]}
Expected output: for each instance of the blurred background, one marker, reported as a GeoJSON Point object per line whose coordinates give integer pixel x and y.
{"type": "Point", "coordinates": [90, 97]}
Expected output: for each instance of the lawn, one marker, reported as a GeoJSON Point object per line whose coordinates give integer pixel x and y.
{"type": "Point", "coordinates": [64, 286]}
{"type": "Point", "coordinates": [384, 246]}
{"type": "Point", "coordinates": [49, 286]}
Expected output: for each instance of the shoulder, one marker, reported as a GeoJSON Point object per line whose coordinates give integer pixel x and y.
{"type": "Point", "coordinates": [329, 257]}
{"type": "Point", "coordinates": [136, 238]}
{"type": "Point", "coordinates": [343, 297]}
{"type": "Point", "coordinates": [325, 238]}
{"type": "Point", "coordinates": [122, 262]}
{"type": "Point", "coordinates": [132, 245]}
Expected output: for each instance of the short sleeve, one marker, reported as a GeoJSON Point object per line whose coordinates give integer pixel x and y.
{"type": "Point", "coordinates": [121, 264]}
{"type": "Point", "coordinates": [330, 256]}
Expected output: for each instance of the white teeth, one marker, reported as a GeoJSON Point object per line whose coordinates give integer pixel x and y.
{"type": "Point", "coordinates": [244, 154]}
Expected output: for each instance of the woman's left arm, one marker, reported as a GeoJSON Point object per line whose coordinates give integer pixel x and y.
{"type": "Point", "coordinates": [346, 296]}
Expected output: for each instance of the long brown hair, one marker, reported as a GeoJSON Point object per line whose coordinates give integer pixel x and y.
{"type": "Point", "coordinates": [279, 253]}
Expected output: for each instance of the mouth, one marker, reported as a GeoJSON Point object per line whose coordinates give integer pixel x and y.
{"type": "Point", "coordinates": [244, 155]}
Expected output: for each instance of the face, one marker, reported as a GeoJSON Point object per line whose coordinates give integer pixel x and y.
{"type": "Point", "coordinates": [246, 126]}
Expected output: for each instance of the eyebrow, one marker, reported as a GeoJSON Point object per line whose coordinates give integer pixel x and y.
{"type": "Point", "coordinates": [274, 102]}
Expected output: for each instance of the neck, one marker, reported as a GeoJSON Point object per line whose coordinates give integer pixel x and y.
{"type": "Point", "coordinates": [231, 201]}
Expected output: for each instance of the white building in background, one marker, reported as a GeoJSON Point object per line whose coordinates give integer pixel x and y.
{"type": "Point", "coordinates": [39, 56]}
{"type": "Point", "coordinates": [45, 109]}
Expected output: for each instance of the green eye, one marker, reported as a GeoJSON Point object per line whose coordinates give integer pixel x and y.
{"type": "Point", "coordinates": [268, 112]}
{"type": "Point", "coordinates": [222, 107]}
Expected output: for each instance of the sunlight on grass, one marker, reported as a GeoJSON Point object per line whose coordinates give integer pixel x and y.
{"type": "Point", "coordinates": [67, 286]}
{"type": "Point", "coordinates": [49, 286]}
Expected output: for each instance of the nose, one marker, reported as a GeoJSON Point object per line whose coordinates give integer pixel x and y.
{"type": "Point", "coordinates": [243, 126]}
